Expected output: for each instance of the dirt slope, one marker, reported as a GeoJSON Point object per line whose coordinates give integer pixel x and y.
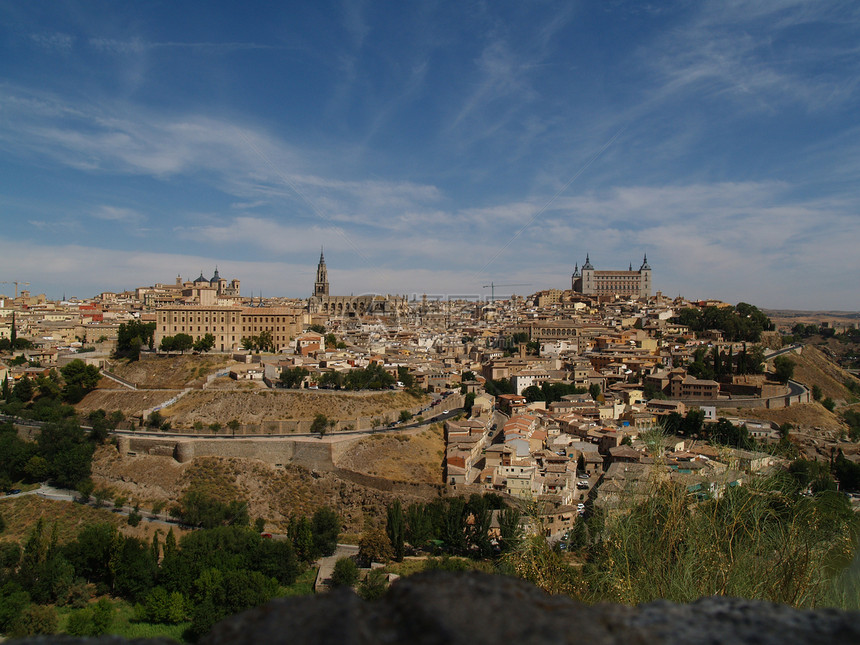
{"type": "Point", "coordinates": [273, 493]}
{"type": "Point", "coordinates": [400, 457]}
{"type": "Point", "coordinates": [813, 367]}
{"type": "Point", "coordinates": [806, 416]}
{"type": "Point", "coordinates": [273, 405]}
{"type": "Point", "coordinates": [130, 402]}
{"type": "Point", "coordinates": [167, 372]}
{"type": "Point", "coordinates": [22, 513]}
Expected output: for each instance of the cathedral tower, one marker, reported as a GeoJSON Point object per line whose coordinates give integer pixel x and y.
{"type": "Point", "coordinates": [321, 285]}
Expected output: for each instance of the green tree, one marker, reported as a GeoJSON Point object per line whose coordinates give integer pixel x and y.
{"type": "Point", "coordinates": [182, 342]}
{"type": "Point", "coordinates": [325, 525]}
{"type": "Point", "coordinates": [405, 377]}
{"type": "Point", "coordinates": [345, 573]}
{"type": "Point", "coordinates": [94, 620]}
{"type": "Point", "coordinates": [265, 341]}
{"type": "Point", "coordinates": [33, 620]}
{"type": "Point", "coordinates": [469, 402]}
{"type": "Point", "coordinates": [419, 525]}
{"type": "Point", "coordinates": [374, 546]}
{"type": "Point", "coordinates": [784, 368]}
{"type": "Point", "coordinates": [132, 336]}
{"type": "Point", "coordinates": [816, 392]}
{"type": "Point", "coordinates": [373, 586]}
{"type": "Point", "coordinates": [534, 393]}
{"type": "Point", "coordinates": [304, 540]}
{"type": "Point", "coordinates": [23, 390]}
{"type": "Point", "coordinates": [395, 529]}
{"type": "Point", "coordinates": [594, 391]}
{"type": "Point", "coordinates": [204, 343]}
{"type": "Point", "coordinates": [829, 404]}
{"type": "Point", "coordinates": [319, 425]}
{"type": "Point", "coordinates": [510, 528]}
{"type": "Point", "coordinates": [80, 379]}
{"type": "Point", "coordinates": [13, 600]}
{"type": "Point", "coordinates": [293, 377]}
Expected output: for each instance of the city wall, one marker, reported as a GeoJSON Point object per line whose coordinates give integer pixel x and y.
{"type": "Point", "coordinates": [311, 454]}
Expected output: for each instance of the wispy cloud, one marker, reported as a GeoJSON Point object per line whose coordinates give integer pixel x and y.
{"type": "Point", "coordinates": [138, 46]}
{"type": "Point", "coordinates": [746, 52]}
{"type": "Point", "coordinates": [57, 42]}
{"type": "Point", "coordinates": [118, 214]}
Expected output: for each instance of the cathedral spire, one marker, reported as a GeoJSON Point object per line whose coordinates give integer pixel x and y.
{"type": "Point", "coordinates": [321, 284]}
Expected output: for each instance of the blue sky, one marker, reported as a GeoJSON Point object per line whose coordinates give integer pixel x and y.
{"type": "Point", "coordinates": [433, 147]}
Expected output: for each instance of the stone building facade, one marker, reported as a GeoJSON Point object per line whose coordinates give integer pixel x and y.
{"type": "Point", "coordinates": [201, 291]}
{"type": "Point", "coordinates": [230, 325]}
{"type": "Point", "coordinates": [624, 284]}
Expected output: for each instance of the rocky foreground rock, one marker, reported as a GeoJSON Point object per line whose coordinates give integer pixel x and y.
{"type": "Point", "coordinates": [477, 609]}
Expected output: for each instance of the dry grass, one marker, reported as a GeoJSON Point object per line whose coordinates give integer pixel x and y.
{"type": "Point", "coordinates": [805, 416]}
{"type": "Point", "coordinates": [274, 493]}
{"type": "Point", "coordinates": [220, 406]}
{"type": "Point", "coordinates": [168, 372]}
{"type": "Point", "coordinates": [400, 457]}
{"type": "Point", "coordinates": [214, 477]}
{"type": "Point", "coordinates": [131, 403]}
{"type": "Point", "coordinates": [22, 513]}
{"type": "Point", "coordinates": [813, 367]}
{"type": "Point", "coordinates": [144, 478]}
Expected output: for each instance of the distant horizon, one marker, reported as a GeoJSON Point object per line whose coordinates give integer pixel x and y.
{"type": "Point", "coordinates": [433, 147]}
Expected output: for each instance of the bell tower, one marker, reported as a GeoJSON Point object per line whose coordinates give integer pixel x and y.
{"type": "Point", "coordinates": [321, 284]}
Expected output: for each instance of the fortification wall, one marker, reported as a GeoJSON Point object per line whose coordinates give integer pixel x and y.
{"type": "Point", "coordinates": [274, 451]}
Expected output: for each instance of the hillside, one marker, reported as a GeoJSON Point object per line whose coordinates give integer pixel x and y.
{"type": "Point", "coordinates": [130, 402]}
{"type": "Point", "coordinates": [22, 513]}
{"type": "Point", "coordinates": [274, 493]}
{"type": "Point", "coordinates": [167, 372]}
{"type": "Point", "coordinates": [807, 416]}
{"type": "Point", "coordinates": [210, 406]}
{"type": "Point", "coordinates": [401, 457]}
{"type": "Point", "coordinates": [813, 367]}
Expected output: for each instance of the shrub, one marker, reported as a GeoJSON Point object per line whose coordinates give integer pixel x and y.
{"type": "Point", "coordinates": [34, 619]}
{"type": "Point", "coordinates": [373, 586]}
{"type": "Point", "coordinates": [345, 573]}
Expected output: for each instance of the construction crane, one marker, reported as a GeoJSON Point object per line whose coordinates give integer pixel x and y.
{"type": "Point", "coordinates": [492, 287]}
{"type": "Point", "coordinates": [16, 283]}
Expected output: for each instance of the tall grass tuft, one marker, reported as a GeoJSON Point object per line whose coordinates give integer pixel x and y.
{"type": "Point", "coordinates": [760, 541]}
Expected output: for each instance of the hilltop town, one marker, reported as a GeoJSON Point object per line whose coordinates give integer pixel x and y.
{"type": "Point", "coordinates": [551, 397]}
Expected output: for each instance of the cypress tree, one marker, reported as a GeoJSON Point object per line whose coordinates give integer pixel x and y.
{"type": "Point", "coordinates": [395, 529]}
